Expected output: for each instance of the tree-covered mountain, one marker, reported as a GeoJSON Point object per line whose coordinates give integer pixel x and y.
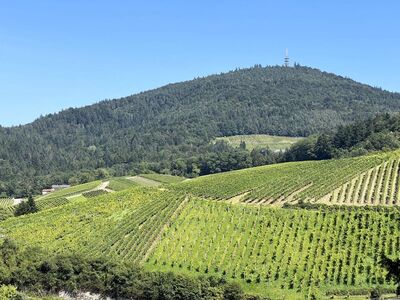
{"type": "Point", "coordinates": [154, 129]}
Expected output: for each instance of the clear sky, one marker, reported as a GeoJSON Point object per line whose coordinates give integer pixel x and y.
{"type": "Point", "coordinates": [68, 53]}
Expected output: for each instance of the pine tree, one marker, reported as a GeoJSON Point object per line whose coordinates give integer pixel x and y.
{"type": "Point", "coordinates": [32, 205]}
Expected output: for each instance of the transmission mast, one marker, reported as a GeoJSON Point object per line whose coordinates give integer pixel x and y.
{"type": "Point", "coordinates": [286, 58]}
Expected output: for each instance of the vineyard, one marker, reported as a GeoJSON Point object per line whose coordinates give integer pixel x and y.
{"type": "Point", "coordinates": [295, 250]}
{"type": "Point", "coordinates": [48, 203]}
{"type": "Point", "coordinates": [163, 178]}
{"type": "Point", "coordinates": [287, 249]}
{"type": "Point", "coordinates": [6, 202]}
{"type": "Point", "coordinates": [6, 208]}
{"type": "Point", "coordinates": [122, 225]}
{"type": "Point", "coordinates": [120, 183]}
{"type": "Point", "coordinates": [354, 181]}
{"type": "Point", "coordinates": [378, 186]}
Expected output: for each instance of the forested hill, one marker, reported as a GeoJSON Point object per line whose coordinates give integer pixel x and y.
{"type": "Point", "coordinates": [173, 121]}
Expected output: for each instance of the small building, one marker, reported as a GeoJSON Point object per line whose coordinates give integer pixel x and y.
{"type": "Point", "coordinates": [60, 186]}
{"type": "Point", "coordinates": [47, 191]}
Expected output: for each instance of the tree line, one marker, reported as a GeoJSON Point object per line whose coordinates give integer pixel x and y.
{"type": "Point", "coordinates": [379, 133]}
{"type": "Point", "coordinates": [33, 271]}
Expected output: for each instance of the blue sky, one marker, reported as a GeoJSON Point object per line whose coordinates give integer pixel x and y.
{"type": "Point", "coordinates": [68, 53]}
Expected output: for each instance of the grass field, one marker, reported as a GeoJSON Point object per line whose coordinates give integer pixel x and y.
{"type": "Point", "coordinates": [275, 143]}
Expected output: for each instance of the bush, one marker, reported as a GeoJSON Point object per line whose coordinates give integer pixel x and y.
{"type": "Point", "coordinates": [26, 207]}
{"type": "Point", "coordinates": [8, 292]}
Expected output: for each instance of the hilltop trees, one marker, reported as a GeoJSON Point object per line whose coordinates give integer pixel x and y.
{"type": "Point", "coordinates": [381, 132]}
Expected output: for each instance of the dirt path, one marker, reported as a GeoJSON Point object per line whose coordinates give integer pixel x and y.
{"type": "Point", "coordinates": [144, 181]}
{"type": "Point", "coordinates": [103, 186]}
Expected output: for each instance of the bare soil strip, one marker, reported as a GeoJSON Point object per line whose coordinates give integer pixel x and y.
{"type": "Point", "coordinates": [238, 198]}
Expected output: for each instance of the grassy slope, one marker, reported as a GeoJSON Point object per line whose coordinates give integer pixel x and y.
{"type": "Point", "coordinates": [275, 143]}
{"type": "Point", "coordinates": [122, 225]}
{"type": "Point", "coordinates": [163, 178]}
{"type": "Point", "coordinates": [120, 183]}
{"type": "Point", "coordinates": [289, 182]}
{"type": "Point", "coordinates": [271, 251]}
{"type": "Point", "coordinates": [6, 202]}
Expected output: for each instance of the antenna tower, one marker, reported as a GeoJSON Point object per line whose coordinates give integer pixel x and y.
{"type": "Point", "coordinates": [286, 58]}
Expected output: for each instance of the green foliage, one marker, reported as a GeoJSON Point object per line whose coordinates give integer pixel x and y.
{"type": "Point", "coordinates": [155, 129]}
{"type": "Point", "coordinates": [290, 249]}
{"type": "Point", "coordinates": [42, 272]}
{"type": "Point", "coordinates": [120, 184]}
{"type": "Point", "coordinates": [26, 207]}
{"type": "Point", "coordinates": [6, 208]}
{"type": "Point", "coordinates": [95, 193]}
{"type": "Point", "coordinates": [6, 202]}
{"type": "Point", "coordinates": [393, 270]}
{"type": "Point", "coordinates": [48, 203]}
{"type": "Point", "coordinates": [163, 178]}
{"type": "Point", "coordinates": [8, 292]}
{"type": "Point", "coordinates": [121, 225]}
{"type": "Point", "coordinates": [6, 213]}
{"type": "Point", "coordinates": [308, 181]}
{"type": "Point", "coordinates": [379, 133]}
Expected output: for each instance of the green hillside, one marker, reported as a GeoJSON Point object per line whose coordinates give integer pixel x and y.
{"type": "Point", "coordinates": [281, 249]}
{"type": "Point", "coordinates": [370, 180]}
{"type": "Point", "coordinates": [269, 250]}
{"type": "Point", "coordinates": [122, 225]}
{"type": "Point", "coordinates": [154, 130]}
{"type": "Point", "coordinates": [163, 178]}
{"type": "Point", "coordinates": [120, 184]}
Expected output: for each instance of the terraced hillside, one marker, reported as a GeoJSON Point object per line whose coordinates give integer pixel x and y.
{"type": "Point", "coordinates": [367, 180]}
